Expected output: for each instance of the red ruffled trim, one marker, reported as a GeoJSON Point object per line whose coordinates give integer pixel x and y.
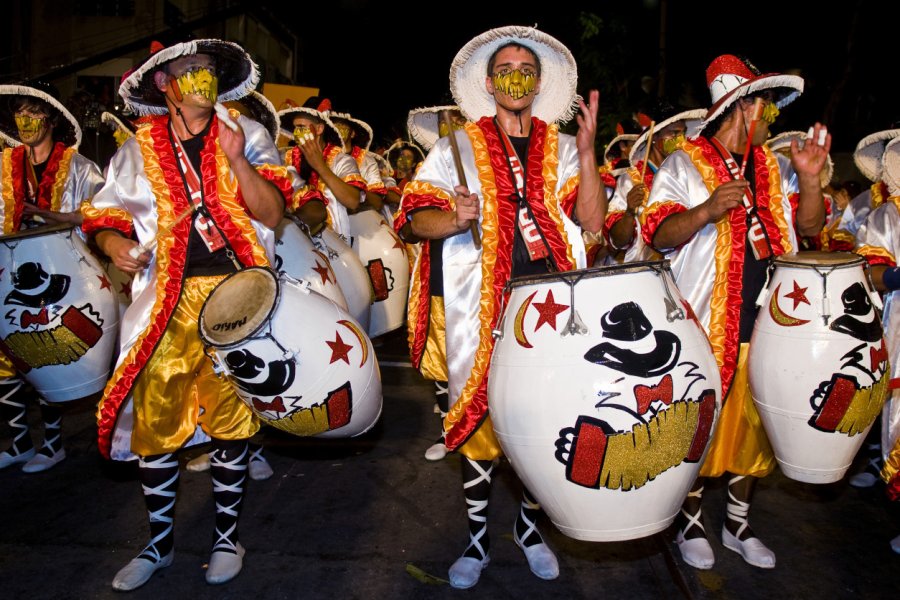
{"type": "Point", "coordinates": [655, 215]}
{"type": "Point", "coordinates": [893, 488]}
{"type": "Point", "coordinates": [423, 315]}
{"type": "Point", "coordinates": [18, 182]}
{"type": "Point", "coordinates": [649, 174]}
{"type": "Point", "coordinates": [839, 246]}
{"type": "Point", "coordinates": [412, 202]}
{"type": "Point", "coordinates": [611, 220]}
{"type": "Point", "coordinates": [567, 203]}
{"type": "Point", "coordinates": [281, 182]}
{"type": "Point", "coordinates": [301, 200]}
{"type": "Point", "coordinates": [763, 201]}
{"type": "Point", "coordinates": [360, 185]}
{"type": "Point", "coordinates": [45, 186]}
{"type": "Point", "coordinates": [92, 226]}
{"type": "Point", "coordinates": [876, 261]}
{"type": "Point", "coordinates": [608, 180]}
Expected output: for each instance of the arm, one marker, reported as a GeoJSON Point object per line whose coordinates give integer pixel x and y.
{"type": "Point", "coordinates": [591, 202]}
{"type": "Point", "coordinates": [622, 233]}
{"type": "Point", "coordinates": [433, 223]}
{"type": "Point", "coordinates": [313, 214]}
{"type": "Point", "coordinates": [679, 228]}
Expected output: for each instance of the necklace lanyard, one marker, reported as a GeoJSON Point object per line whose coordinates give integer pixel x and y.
{"type": "Point", "coordinates": [534, 241]}
{"type": "Point", "coordinates": [756, 233]}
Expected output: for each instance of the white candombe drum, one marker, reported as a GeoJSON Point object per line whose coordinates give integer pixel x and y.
{"type": "Point", "coordinates": [350, 272]}
{"type": "Point", "coordinates": [296, 256]}
{"type": "Point", "coordinates": [604, 394]}
{"type": "Point", "coordinates": [60, 314]}
{"type": "Point", "coordinates": [298, 360]}
{"type": "Point", "coordinates": [120, 281]}
{"type": "Point", "coordinates": [384, 257]}
{"type": "Point", "coordinates": [818, 363]}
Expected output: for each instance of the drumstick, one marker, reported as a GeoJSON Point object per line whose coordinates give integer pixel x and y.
{"type": "Point", "coordinates": [757, 114]}
{"type": "Point", "coordinates": [457, 159]}
{"type": "Point", "coordinates": [647, 151]}
{"type": "Point", "coordinates": [225, 117]}
{"type": "Point", "coordinates": [149, 245]}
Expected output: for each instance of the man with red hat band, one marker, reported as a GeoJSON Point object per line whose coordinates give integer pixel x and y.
{"type": "Point", "coordinates": [719, 221]}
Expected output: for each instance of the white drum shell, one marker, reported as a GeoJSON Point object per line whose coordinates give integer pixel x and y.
{"type": "Point", "coordinates": [297, 257]}
{"type": "Point", "coordinates": [536, 392]}
{"type": "Point", "coordinates": [351, 275]}
{"type": "Point", "coordinates": [303, 323]}
{"type": "Point", "coordinates": [90, 293]}
{"type": "Point", "coordinates": [788, 363]}
{"type": "Point", "coordinates": [380, 249]}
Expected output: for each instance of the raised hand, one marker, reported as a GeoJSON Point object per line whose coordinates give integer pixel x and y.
{"type": "Point", "coordinates": [587, 122]}
{"type": "Point", "coordinates": [812, 157]}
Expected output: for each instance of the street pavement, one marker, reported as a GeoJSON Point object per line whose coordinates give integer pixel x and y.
{"type": "Point", "coordinates": [370, 518]}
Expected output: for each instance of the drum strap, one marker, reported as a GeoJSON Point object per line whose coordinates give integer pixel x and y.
{"type": "Point", "coordinates": [756, 233]}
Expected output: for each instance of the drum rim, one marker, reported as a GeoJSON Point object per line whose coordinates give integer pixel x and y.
{"type": "Point", "coordinates": [589, 272]}
{"type": "Point", "coordinates": [200, 329]}
{"type": "Point", "coordinates": [36, 231]}
{"type": "Point", "coordinates": [854, 260]}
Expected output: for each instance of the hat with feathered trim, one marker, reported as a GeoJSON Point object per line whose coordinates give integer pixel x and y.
{"type": "Point", "coordinates": [399, 145]}
{"type": "Point", "coordinates": [730, 78]}
{"type": "Point", "coordinates": [891, 166]}
{"type": "Point", "coordinates": [236, 72]}
{"type": "Point", "coordinates": [869, 152]}
{"type": "Point", "coordinates": [424, 124]}
{"type": "Point", "coordinates": [319, 109]}
{"type": "Point", "coordinates": [363, 130]}
{"type": "Point", "coordinates": [614, 143]}
{"type": "Point", "coordinates": [557, 100]}
{"type": "Point", "coordinates": [782, 143]}
{"type": "Point", "coordinates": [691, 118]}
{"type": "Point", "coordinates": [66, 129]}
{"type": "Point", "coordinates": [118, 122]}
{"type": "Point", "coordinates": [260, 109]}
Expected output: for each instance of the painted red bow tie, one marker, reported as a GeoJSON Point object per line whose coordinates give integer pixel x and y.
{"type": "Point", "coordinates": [647, 395]}
{"type": "Point", "coordinates": [276, 405]}
{"type": "Point", "coordinates": [42, 318]}
{"type": "Point", "coordinates": [877, 356]}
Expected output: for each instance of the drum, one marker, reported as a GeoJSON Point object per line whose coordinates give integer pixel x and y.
{"type": "Point", "coordinates": [298, 360]}
{"type": "Point", "coordinates": [60, 314]}
{"type": "Point", "coordinates": [296, 256]}
{"type": "Point", "coordinates": [818, 362]}
{"type": "Point", "coordinates": [120, 281]}
{"type": "Point", "coordinates": [604, 393]}
{"type": "Point", "coordinates": [384, 257]}
{"type": "Point", "coordinates": [350, 273]}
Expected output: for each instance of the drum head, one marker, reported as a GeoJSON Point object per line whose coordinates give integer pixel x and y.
{"type": "Point", "coordinates": [36, 231]}
{"type": "Point", "coordinates": [633, 267]}
{"type": "Point", "coordinates": [820, 259]}
{"type": "Point", "coordinates": [238, 306]}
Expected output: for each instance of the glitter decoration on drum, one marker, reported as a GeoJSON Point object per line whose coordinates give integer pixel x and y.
{"type": "Point", "coordinates": [798, 295]}
{"type": "Point", "coordinates": [382, 279]}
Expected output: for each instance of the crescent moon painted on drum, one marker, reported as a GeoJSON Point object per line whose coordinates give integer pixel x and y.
{"type": "Point", "coordinates": [360, 336]}
{"type": "Point", "coordinates": [781, 317]}
{"type": "Point", "coordinates": [520, 318]}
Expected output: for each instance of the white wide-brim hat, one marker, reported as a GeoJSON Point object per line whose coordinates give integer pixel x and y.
{"type": "Point", "coordinates": [891, 164]}
{"type": "Point", "coordinates": [557, 100]}
{"type": "Point", "coordinates": [424, 124]}
{"type": "Point", "coordinates": [235, 70]}
{"type": "Point", "coordinates": [67, 131]}
{"type": "Point", "coordinates": [363, 130]}
{"type": "Point", "coordinates": [692, 120]}
{"type": "Point", "coordinates": [625, 137]}
{"type": "Point", "coordinates": [869, 152]}
{"type": "Point", "coordinates": [782, 143]}
{"type": "Point", "coordinates": [286, 118]}
{"type": "Point", "coordinates": [399, 144]}
{"type": "Point", "coordinates": [261, 110]}
{"type": "Point", "coordinates": [115, 122]}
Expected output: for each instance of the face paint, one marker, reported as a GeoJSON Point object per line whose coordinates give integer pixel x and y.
{"type": "Point", "coordinates": [344, 130]}
{"type": "Point", "coordinates": [516, 84]}
{"type": "Point", "coordinates": [199, 81]}
{"type": "Point", "coordinates": [404, 163]}
{"type": "Point", "coordinates": [303, 133]}
{"type": "Point", "coordinates": [442, 127]}
{"type": "Point", "coordinates": [29, 127]}
{"type": "Point", "coordinates": [770, 113]}
{"type": "Point", "coordinates": [672, 144]}
{"type": "Point", "coordinates": [120, 136]}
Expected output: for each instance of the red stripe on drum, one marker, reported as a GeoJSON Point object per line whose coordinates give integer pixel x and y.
{"type": "Point", "coordinates": [704, 426]}
{"type": "Point", "coordinates": [339, 406]}
{"type": "Point", "coordinates": [588, 452]}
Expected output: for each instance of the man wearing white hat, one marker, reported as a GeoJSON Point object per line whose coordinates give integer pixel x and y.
{"type": "Point", "coordinates": [719, 225]}
{"type": "Point", "coordinates": [226, 176]}
{"type": "Point", "coordinates": [527, 184]}
{"type": "Point", "coordinates": [43, 179]}
{"type": "Point", "coordinates": [357, 136]}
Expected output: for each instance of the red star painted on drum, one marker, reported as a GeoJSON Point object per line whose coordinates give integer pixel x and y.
{"type": "Point", "coordinates": [126, 289]}
{"type": "Point", "coordinates": [322, 270]}
{"type": "Point", "coordinates": [339, 350]}
{"type": "Point", "coordinates": [798, 295]}
{"type": "Point", "coordinates": [548, 310]}
{"type": "Point", "coordinates": [104, 282]}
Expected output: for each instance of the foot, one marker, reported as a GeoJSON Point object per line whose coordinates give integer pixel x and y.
{"type": "Point", "coordinates": [696, 551]}
{"type": "Point", "coordinates": [42, 462]}
{"type": "Point", "coordinates": [863, 480]}
{"type": "Point", "coordinates": [541, 560]}
{"type": "Point", "coordinates": [260, 469]}
{"type": "Point", "coordinates": [198, 464]}
{"type": "Point", "coordinates": [138, 572]}
{"type": "Point", "coordinates": [7, 459]}
{"type": "Point", "coordinates": [895, 544]}
{"type": "Point", "coordinates": [224, 566]}
{"type": "Point", "coordinates": [752, 549]}
{"type": "Point", "coordinates": [466, 571]}
{"type": "Point", "coordinates": [436, 451]}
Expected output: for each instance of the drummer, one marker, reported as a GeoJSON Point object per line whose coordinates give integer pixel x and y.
{"type": "Point", "coordinates": [721, 267]}
{"type": "Point", "coordinates": [497, 80]}
{"type": "Point", "coordinates": [229, 190]}
{"type": "Point", "coordinates": [44, 181]}
{"type": "Point", "coordinates": [357, 136]}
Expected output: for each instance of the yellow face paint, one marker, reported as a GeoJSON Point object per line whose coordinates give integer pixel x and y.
{"type": "Point", "coordinates": [120, 136]}
{"type": "Point", "coordinates": [344, 130]}
{"type": "Point", "coordinates": [29, 127]}
{"type": "Point", "coordinates": [442, 128]}
{"type": "Point", "coordinates": [516, 84]}
{"type": "Point", "coordinates": [199, 81]}
{"type": "Point", "coordinates": [404, 163]}
{"type": "Point", "coordinates": [672, 144]}
{"type": "Point", "coordinates": [302, 134]}
{"type": "Point", "coordinates": [770, 113]}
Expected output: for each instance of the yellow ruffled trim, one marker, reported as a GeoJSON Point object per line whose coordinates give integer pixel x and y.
{"type": "Point", "coordinates": [776, 199]}
{"type": "Point", "coordinates": [423, 188]}
{"type": "Point", "coordinates": [549, 171]}
{"type": "Point", "coordinates": [227, 188]}
{"type": "Point", "coordinates": [892, 464]}
{"type": "Point", "coordinates": [92, 213]}
{"type": "Point", "coordinates": [7, 192]}
{"type": "Point", "coordinates": [62, 175]}
{"type": "Point", "coordinates": [876, 195]}
{"type": "Point", "coordinates": [876, 251]}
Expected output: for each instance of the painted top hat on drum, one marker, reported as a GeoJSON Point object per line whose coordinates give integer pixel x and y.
{"type": "Point", "coordinates": [65, 126]}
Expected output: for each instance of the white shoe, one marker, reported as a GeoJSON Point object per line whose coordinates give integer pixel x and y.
{"type": "Point", "coordinates": [138, 572]}
{"type": "Point", "coordinates": [752, 549]}
{"type": "Point", "coordinates": [224, 566]}
{"type": "Point", "coordinates": [863, 480]}
{"type": "Point", "coordinates": [260, 469]}
{"type": "Point", "coordinates": [436, 452]}
{"type": "Point", "coordinates": [7, 459]}
{"type": "Point", "coordinates": [199, 464]}
{"type": "Point", "coordinates": [466, 571]}
{"type": "Point", "coordinates": [541, 560]}
{"type": "Point", "coordinates": [895, 544]}
{"type": "Point", "coordinates": [696, 551]}
{"type": "Point", "coordinates": [42, 462]}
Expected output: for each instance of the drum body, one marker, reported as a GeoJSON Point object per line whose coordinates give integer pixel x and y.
{"type": "Point", "coordinates": [296, 256]}
{"type": "Point", "coordinates": [60, 314]}
{"type": "Point", "coordinates": [384, 258]}
{"type": "Point", "coordinates": [350, 273]}
{"type": "Point", "coordinates": [604, 393]}
{"type": "Point", "coordinates": [298, 360]}
{"type": "Point", "coordinates": [818, 363]}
